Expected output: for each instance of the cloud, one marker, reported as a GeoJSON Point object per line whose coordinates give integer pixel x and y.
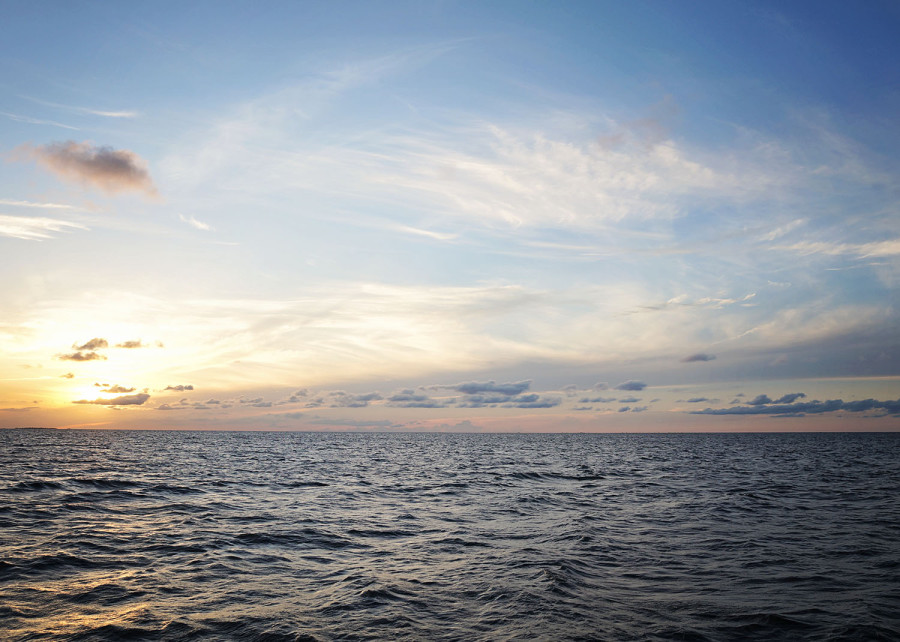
{"type": "Point", "coordinates": [700, 356]}
{"type": "Point", "coordinates": [86, 110]}
{"type": "Point", "coordinates": [182, 388]}
{"type": "Point", "coordinates": [805, 408]}
{"type": "Point", "coordinates": [33, 228]}
{"type": "Point", "coordinates": [35, 121]}
{"type": "Point", "coordinates": [790, 397]}
{"type": "Point", "coordinates": [409, 399]}
{"type": "Point", "coordinates": [629, 400]}
{"type": "Point", "coordinates": [111, 170]}
{"type": "Point", "coordinates": [631, 385]}
{"type": "Point", "coordinates": [476, 387]}
{"type": "Point", "coordinates": [115, 389]}
{"type": "Point", "coordinates": [125, 400]}
{"type": "Point", "coordinates": [25, 409]}
{"type": "Point", "coordinates": [875, 249]}
{"type": "Point", "coordinates": [697, 400]}
{"type": "Point", "coordinates": [341, 399]}
{"type": "Point", "coordinates": [94, 344]}
{"type": "Point", "coordinates": [81, 356]}
{"type": "Point", "coordinates": [131, 344]}
{"type": "Point", "coordinates": [596, 400]}
{"type": "Point", "coordinates": [68, 375]}
{"type": "Point", "coordinates": [199, 225]}
{"type": "Point", "coordinates": [759, 400]}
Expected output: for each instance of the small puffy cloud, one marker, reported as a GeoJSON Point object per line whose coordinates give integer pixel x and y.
{"type": "Point", "coordinates": [601, 385]}
{"type": "Point", "coordinates": [116, 389]}
{"type": "Point", "coordinates": [94, 344]}
{"type": "Point", "coordinates": [165, 406]}
{"type": "Point", "coordinates": [68, 375]}
{"type": "Point", "coordinates": [759, 400]}
{"type": "Point", "coordinates": [697, 400]}
{"type": "Point", "coordinates": [81, 356]}
{"type": "Point", "coordinates": [111, 170]}
{"type": "Point", "coordinates": [631, 385]}
{"type": "Point", "coordinates": [596, 400]}
{"type": "Point", "coordinates": [624, 408]}
{"type": "Point", "coordinates": [699, 356]}
{"type": "Point", "coordinates": [182, 388]}
{"type": "Point", "coordinates": [131, 344]}
{"type": "Point", "coordinates": [629, 400]}
{"type": "Point", "coordinates": [479, 387]}
{"type": "Point", "coordinates": [537, 402]}
{"type": "Point", "coordinates": [124, 400]}
{"type": "Point", "coordinates": [790, 397]}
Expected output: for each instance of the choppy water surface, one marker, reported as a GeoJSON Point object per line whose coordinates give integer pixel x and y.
{"type": "Point", "coordinates": [303, 536]}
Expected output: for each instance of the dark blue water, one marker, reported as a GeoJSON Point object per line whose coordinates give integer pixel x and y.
{"type": "Point", "coordinates": [305, 536]}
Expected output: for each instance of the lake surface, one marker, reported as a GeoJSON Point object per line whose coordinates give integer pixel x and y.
{"type": "Point", "coordinates": [352, 536]}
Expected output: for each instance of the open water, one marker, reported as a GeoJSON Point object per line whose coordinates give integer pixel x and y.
{"type": "Point", "coordinates": [108, 535]}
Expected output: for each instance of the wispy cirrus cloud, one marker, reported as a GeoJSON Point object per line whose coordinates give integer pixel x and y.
{"type": "Point", "coordinates": [193, 222]}
{"type": "Point", "coordinates": [110, 170]}
{"type": "Point", "coordinates": [31, 228]}
{"type": "Point", "coordinates": [105, 113]}
{"type": "Point", "coordinates": [32, 204]}
{"type": "Point", "coordinates": [36, 121]}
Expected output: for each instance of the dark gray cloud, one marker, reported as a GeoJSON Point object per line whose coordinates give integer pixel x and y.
{"type": "Point", "coordinates": [699, 356]}
{"type": "Point", "coordinates": [480, 387]}
{"type": "Point", "coordinates": [111, 170]}
{"type": "Point", "coordinates": [519, 401]}
{"type": "Point", "coordinates": [537, 402]}
{"type": "Point", "coordinates": [124, 400]}
{"type": "Point", "coordinates": [696, 400]}
{"type": "Point", "coordinates": [624, 408]}
{"type": "Point", "coordinates": [790, 397]}
{"type": "Point", "coordinates": [806, 408]}
{"type": "Point", "coordinates": [342, 399]}
{"type": "Point", "coordinates": [759, 400]}
{"type": "Point", "coordinates": [180, 387]}
{"type": "Point", "coordinates": [596, 400]}
{"type": "Point", "coordinates": [629, 400]}
{"type": "Point", "coordinates": [94, 344]}
{"type": "Point", "coordinates": [81, 356]}
{"type": "Point", "coordinates": [410, 399]}
{"type": "Point", "coordinates": [631, 385]}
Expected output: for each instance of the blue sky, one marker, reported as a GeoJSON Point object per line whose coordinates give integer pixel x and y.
{"type": "Point", "coordinates": [450, 215]}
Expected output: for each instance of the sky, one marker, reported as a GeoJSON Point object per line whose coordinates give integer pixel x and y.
{"type": "Point", "coordinates": [450, 215]}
